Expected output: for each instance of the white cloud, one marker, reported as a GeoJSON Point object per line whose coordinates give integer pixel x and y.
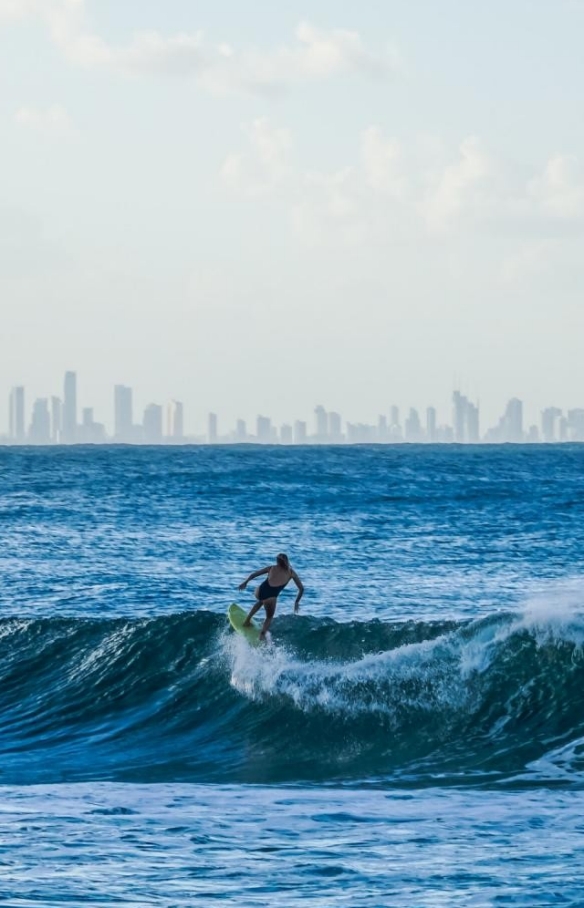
{"type": "Point", "coordinates": [314, 54]}
{"type": "Point", "coordinates": [382, 163]}
{"type": "Point", "coordinates": [559, 190]}
{"type": "Point", "coordinates": [264, 165]}
{"type": "Point", "coordinates": [53, 120]}
{"type": "Point", "coordinates": [51, 11]}
{"type": "Point", "coordinates": [461, 187]}
{"type": "Point", "coordinates": [393, 193]}
{"type": "Point", "coordinates": [17, 9]}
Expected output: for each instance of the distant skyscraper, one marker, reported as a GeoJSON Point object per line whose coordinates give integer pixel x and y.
{"type": "Point", "coordinates": [466, 419]}
{"type": "Point", "coordinates": [459, 421]}
{"type": "Point", "coordinates": [56, 419]}
{"type": "Point", "coordinates": [90, 432]}
{"type": "Point", "coordinates": [300, 432]}
{"type": "Point", "coordinates": [123, 414]}
{"type": "Point", "coordinates": [175, 421]}
{"type": "Point", "coordinates": [472, 423]}
{"type": "Point", "coordinates": [431, 424]}
{"type": "Point", "coordinates": [17, 429]}
{"type": "Point", "coordinates": [40, 425]}
{"type": "Point", "coordinates": [413, 427]}
{"type": "Point", "coordinates": [152, 424]}
{"type": "Point", "coordinates": [212, 429]}
{"type": "Point", "coordinates": [322, 423]}
{"type": "Point", "coordinates": [550, 420]}
{"type": "Point", "coordinates": [382, 430]}
{"type": "Point", "coordinates": [514, 421]}
{"type": "Point", "coordinates": [335, 433]}
{"type": "Point", "coordinates": [69, 429]}
{"type": "Point", "coordinates": [240, 430]}
{"type": "Point", "coordinates": [264, 429]}
{"type": "Point", "coordinates": [286, 435]}
{"type": "Point", "coordinates": [576, 424]}
{"type": "Point", "coordinates": [85, 430]}
{"type": "Point", "coordinates": [395, 432]}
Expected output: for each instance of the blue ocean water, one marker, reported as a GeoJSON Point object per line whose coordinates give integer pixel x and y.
{"type": "Point", "coordinates": [414, 737]}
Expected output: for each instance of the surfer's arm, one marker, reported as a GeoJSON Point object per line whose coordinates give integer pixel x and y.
{"type": "Point", "coordinates": [300, 586]}
{"type": "Point", "coordinates": [243, 585]}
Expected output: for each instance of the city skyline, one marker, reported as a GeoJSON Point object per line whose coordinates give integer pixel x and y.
{"type": "Point", "coordinates": [63, 420]}
{"type": "Point", "coordinates": [258, 211]}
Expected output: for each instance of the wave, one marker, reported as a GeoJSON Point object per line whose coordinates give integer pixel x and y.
{"type": "Point", "coordinates": [182, 698]}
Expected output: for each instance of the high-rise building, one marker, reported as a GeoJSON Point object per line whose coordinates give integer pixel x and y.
{"type": "Point", "coordinates": [322, 424]}
{"type": "Point", "coordinates": [550, 424]}
{"type": "Point", "coordinates": [514, 421]}
{"type": "Point", "coordinates": [152, 424]}
{"type": "Point", "coordinates": [286, 435]}
{"type": "Point", "coordinates": [123, 415]}
{"type": "Point", "coordinates": [465, 418]}
{"type": "Point", "coordinates": [335, 431]}
{"type": "Point", "coordinates": [431, 424]}
{"type": "Point", "coordinates": [361, 433]}
{"type": "Point", "coordinates": [90, 432]}
{"type": "Point", "coordinates": [459, 414]}
{"type": "Point", "coordinates": [56, 419]}
{"type": "Point", "coordinates": [40, 425]}
{"type": "Point", "coordinates": [576, 424]}
{"type": "Point", "coordinates": [264, 429]}
{"type": "Point", "coordinates": [17, 431]}
{"type": "Point", "coordinates": [382, 430]}
{"type": "Point", "coordinates": [395, 432]}
{"type": "Point", "coordinates": [212, 429]}
{"type": "Point", "coordinates": [413, 427]}
{"type": "Point", "coordinates": [300, 432]}
{"type": "Point", "coordinates": [175, 421]}
{"type": "Point", "coordinates": [240, 430]}
{"type": "Point", "coordinates": [69, 428]}
{"type": "Point", "coordinates": [472, 423]}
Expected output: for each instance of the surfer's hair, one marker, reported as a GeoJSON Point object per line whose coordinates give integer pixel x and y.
{"type": "Point", "coordinates": [283, 560]}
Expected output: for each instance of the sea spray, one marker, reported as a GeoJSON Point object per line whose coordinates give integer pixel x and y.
{"type": "Point", "coordinates": [180, 696]}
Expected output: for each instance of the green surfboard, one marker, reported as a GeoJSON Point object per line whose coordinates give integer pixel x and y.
{"type": "Point", "coordinates": [236, 617]}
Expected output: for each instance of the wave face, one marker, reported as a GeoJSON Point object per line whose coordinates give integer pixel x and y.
{"type": "Point", "coordinates": [179, 697]}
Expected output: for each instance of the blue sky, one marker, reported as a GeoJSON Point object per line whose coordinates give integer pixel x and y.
{"type": "Point", "coordinates": [256, 209]}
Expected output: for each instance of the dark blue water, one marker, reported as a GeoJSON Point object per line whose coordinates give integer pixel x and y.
{"type": "Point", "coordinates": [414, 737]}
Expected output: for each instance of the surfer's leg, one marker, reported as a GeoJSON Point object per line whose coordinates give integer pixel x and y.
{"type": "Point", "coordinates": [255, 608]}
{"type": "Point", "coordinates": [270, 607]}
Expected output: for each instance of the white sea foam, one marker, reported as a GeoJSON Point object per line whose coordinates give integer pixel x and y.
{"type": "Point", "coordinates": [555, 614]}
{"type": "Point", "coordinates": [425, 676]}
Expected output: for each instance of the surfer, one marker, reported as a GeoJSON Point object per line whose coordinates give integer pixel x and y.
{"type": "Point", "coordinates": [279, 575]}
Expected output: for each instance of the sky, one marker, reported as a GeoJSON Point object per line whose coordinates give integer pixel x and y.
{"type": "Point", "coordinates": [256, 208]}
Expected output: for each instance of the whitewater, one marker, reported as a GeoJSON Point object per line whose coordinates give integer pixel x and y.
{"type": "Point", "coordinates": [414, 737]}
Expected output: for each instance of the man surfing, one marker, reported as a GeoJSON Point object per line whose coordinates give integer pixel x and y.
{"type": "Point", "coordinates": [279, 575]}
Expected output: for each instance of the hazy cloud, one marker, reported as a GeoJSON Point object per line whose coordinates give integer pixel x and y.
{"type": "Point", "coordinates": [461, 187]}
{"type": "Point", "coordinates": [395, 191]}
{"type": "Point", "coordinates": [53, 120]}
{"type": "Point", "coordinates": [559, 190]}
{"type": "Point", "coordinates": [382, 163]}
{"type": "Point", "coordinates": [314, 54]}
{"type": "Point", "coordinates": [265, 164]}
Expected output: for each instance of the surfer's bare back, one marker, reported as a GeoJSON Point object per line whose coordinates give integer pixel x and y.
{"type": "Point", "coordinates": [279, 575]}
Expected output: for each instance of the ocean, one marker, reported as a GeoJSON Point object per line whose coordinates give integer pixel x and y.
{"type": "Point", "coordinates": [414, 737]}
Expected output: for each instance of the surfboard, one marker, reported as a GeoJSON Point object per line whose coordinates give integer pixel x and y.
{"type": "Point", "coordinates": [236, 617]}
